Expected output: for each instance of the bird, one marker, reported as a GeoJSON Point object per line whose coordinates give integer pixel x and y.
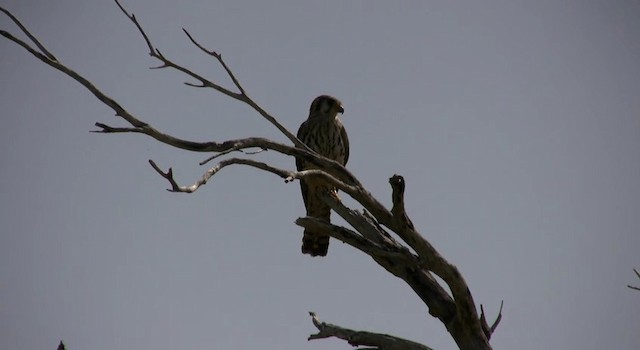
{"type": "Point", "coordinates": [324, 133]}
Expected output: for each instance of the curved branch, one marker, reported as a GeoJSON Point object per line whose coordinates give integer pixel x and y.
{"type": "Point", "coordinates": [359, 338]}
{"type": "Point", "coordinates": [287, 175]}
{"type": "Point", "coordinates": [214, 170]}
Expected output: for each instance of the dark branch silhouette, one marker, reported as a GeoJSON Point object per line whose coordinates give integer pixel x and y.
{"type": "Point", "coordinates": [360, 338]}
{"type": "Point", "coordinates": [637, 274]}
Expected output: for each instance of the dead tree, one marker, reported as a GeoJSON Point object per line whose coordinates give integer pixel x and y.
{"type": "Point", "coordinates": [405, 253]}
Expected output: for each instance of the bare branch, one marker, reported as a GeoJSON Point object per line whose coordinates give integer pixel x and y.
{"type": "Point", "coordinates": [31, 37]}
{"type": "Point", "coordinates": [359, 338]}
{"type": "Point", "coordinates": [365, 225]}
{"type": "Point", "coordinates": [133, 19]}
{"type": "Point", "coordinates": [106, 129]}
{"type": "Point", "coordinates": [218, 57]}
{"type": "Point", "coordinates": [637, 274]}
{"type": "Point", "coordinates": [285, 174]}
{"type": "Point", "coordinates": [498, 318]}
{"type": "Point", "coordinates": [229, 146]}
{"type": "Point", "coordinates": [166, 63]}
{"type": "Point", "coordinates": [432, 260]}
{"type": "Point", "coordinates": [214, 170]}
{"type": "Point", "coordinates": [232, 150]}
{"type": "Point", "coordinates": [488, 331]}
{"type": "Point", "coordinates": [397, 261]}
{"type": "Point", "coordinates": [50, 60]}
{"type": "Point", "coordinates": [241, 96]}
{"type": "Point", "coordinates": [169, 176]}
{"type": "Point", "coordinates": [346, 236]}
{"type": "Point", "coordinates": [397, 197]}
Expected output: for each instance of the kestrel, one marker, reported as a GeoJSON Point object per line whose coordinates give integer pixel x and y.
{"type": "Point", "coordinates": [324, 133]}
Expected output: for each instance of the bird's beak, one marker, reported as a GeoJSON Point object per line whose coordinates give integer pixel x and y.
{"type": "Point", "coordinates": [341, 110]}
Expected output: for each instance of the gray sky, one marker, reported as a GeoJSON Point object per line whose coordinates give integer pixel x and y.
{"type": "Point", "coordinates": [515, 123]}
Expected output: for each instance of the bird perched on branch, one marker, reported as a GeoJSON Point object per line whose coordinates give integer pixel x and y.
{"type": "Point", "coordinates": [324, 133]}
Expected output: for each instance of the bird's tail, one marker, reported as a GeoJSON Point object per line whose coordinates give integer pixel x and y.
{"type": "Point", "coordinates": [314, 243]}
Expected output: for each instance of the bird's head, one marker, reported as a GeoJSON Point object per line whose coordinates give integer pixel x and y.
{"type": "Point", "coordinates": [325, 106]}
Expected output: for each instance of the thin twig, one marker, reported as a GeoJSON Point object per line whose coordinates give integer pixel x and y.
{"type": "Point", "coordinates": [220, 60]}
{"type": "Point", "coordinates": [235, 149]}
{"type": "Point", "coordinates": [488, 330]}
{"type": "Point", "coordinates": [287, 175]}
{"type": "Point", "coordinates": [133, 19]}
{"type": "Point", "coordinates": [637, 274]}
{"type": "Point", "coordinates": [220, 155]}
{"type": "Point", "coordinates": [29, 35]}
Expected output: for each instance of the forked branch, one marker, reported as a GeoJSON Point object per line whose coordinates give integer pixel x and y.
{"type": "Point", "coordinates": [240, 96]}
{"type": "Point", "coordinates": [488, 330]}
{"type": "Point", "coordinates": [287, 175]}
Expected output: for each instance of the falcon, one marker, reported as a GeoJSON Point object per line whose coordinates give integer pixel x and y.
{"type": "Point", "coordinates": [324, 133]}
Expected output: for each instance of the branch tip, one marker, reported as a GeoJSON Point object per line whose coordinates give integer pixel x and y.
{"type": "Point", "coordinates": [488, 330]}
{"type": "Point", "coordinates": [397, 197]}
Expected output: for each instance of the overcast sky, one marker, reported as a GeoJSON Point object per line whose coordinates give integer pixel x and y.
{"type": "Point", "coordinates": [515, 123]}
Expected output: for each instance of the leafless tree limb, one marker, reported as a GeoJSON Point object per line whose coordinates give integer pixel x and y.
{"type": "Point", "coordinates": [241, 96]}
{"type": "Point", "coordinates": [287, 175]}
{"type": "Point", "coordinates": [467, 316]}
{"type": "Point", "coordinates": [31, 37]}
{"type": "Point", "coordinates": [219, 58]}
{"type": "Point", "coordinates": [229, 151]}
{"type": "Point", "coordinates": [395, 258]}
{"type": "Point", "coordinates": [376, 341]}
{"type": "Point", "coordinates": [637, 274]}
{"type": "Point", "coordinates": [488, 330]}
{"type": "Point", "coordinates": [411, 258]}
